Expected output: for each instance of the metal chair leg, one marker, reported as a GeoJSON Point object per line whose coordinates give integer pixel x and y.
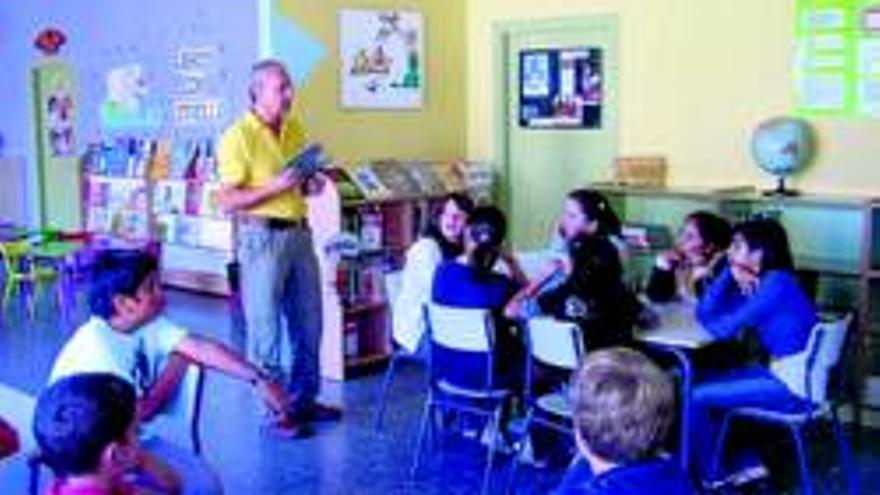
{"type": "Point", "coordinates": [386, 385]}
{"type": "Point", "coordinates": [803, 461]}
{"type": "Point", "coordinates": [843, 449]}
{"type": "Point", "coordinates": [714, 473]}
{"type": "Point", "coordinates": [517, 458]}
{"type": "Point", "coordinates": [490, 456]}
{"type": "Point", "coordinates": [426, 416]}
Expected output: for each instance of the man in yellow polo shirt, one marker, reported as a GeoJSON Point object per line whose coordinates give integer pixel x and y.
{"type": "Point", "coordinates": [279, 267]}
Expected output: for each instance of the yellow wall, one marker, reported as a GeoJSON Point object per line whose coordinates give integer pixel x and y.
{"type": "Point", "coordinates": [696, 76]}
{"type": "Point", "coordinates": [435, 132]}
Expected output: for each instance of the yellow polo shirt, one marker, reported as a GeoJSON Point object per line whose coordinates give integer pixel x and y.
{"type": "Point", "coordinates": [251, 155]}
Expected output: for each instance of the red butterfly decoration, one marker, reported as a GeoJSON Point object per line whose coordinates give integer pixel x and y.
{"type": "Point", "coordinates": [50, 40]}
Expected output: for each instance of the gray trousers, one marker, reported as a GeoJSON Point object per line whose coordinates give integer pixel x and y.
{"type": "Point", "coordinates": [280, 280]}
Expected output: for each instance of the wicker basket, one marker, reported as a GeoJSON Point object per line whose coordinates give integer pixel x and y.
{"type": "Point", "coordinates": [643, 171]}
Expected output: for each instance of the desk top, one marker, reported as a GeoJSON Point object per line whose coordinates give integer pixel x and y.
{"type": "Point", "coordinates": [678, 327]}
{"type": "Point", "coordinates": [55, 249]}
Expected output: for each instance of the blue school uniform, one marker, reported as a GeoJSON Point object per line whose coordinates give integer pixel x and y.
{"type": "Point", "coordinates": [782, 316]}
{"type": "Point", "coordinates": [658, 475]}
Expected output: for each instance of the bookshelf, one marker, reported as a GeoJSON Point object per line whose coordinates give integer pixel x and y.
{"type": "Point", "coordinates": [379, 208]}
{"type": "Point", "coordinates": [142, 188]}
{"type": "Point", "coordinates": [836, 237]}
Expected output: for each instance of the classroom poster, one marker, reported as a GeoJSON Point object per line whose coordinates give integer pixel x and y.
{"type": "Point", "coordinates": [837, 67]}
{"type": "Point", "coordinates": [381, 59]}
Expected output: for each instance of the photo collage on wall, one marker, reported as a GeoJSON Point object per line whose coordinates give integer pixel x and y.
{"type": "Point", "coordinates": [561, 88]}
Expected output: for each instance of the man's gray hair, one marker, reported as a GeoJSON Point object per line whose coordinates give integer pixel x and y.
{"type": "Point", "coordinates": [259, 69]}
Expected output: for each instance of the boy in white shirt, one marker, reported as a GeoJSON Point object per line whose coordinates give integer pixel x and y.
{"type": "Point", "coordinates": [129, 337]}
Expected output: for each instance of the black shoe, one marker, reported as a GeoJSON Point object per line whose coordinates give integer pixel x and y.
{"type": "Point", "coordinates": [287, 427]}
{"type": "Point", "coordinates": [319, 413]}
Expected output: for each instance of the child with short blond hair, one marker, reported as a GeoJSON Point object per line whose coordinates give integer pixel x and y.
{"type": "Point", "coordinates": [624, 406]}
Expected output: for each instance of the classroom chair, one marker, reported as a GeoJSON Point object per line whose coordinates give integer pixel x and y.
{"type": "Point", "coordinates": [822, 356]}
{"type": "Point", "coordinates": [557, 345]}
{"type": "Point", "coordinates": [21, 270]}
{"type": "Point", "coordinates": [399, 354]}
{"type": "Point", "coordinates": [456, 335]}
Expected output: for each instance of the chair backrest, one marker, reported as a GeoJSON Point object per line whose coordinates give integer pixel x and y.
{"type": "Point", "coordinates": [555, 343]}
{"type": "Point", "coordinates": [181, 416]}
{"type": "Point", "coordinates": [461, 329]}
{"type": "Point", "coordinates": [825, 348]}
{"type": "Point", "coordinates": [459, 336]}
{"type": "Point", "coordinates": [12, 252]}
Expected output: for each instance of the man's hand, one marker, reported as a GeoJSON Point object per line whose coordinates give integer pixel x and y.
{"type": "Point", "coordinates": [315, 184]}
{"type": "Point", "coordinates": [289, 178]}
{"type": "Point", "coordinates": [232, 199]}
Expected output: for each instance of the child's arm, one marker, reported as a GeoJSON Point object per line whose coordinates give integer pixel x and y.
{"type": "Point", "coordinates": [219, 357]}
{"type": "Point", "coordinates": [734, 312]}
{"type": "Point", "coordinates": [516, 271]}
{"type": "Point", "coordinates": [164, 388]}
{"type": "Point", "coordinates": [513, 309]}
{"type": "Point", "coordinates": [160, 474]}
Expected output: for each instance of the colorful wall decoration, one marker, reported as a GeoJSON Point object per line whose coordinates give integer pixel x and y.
{"type": "Point", "coordinates": [837, 67]}
{"type": "Point", "coordinates": [381, 59]}
{"type": "Point", "coordinates": [54, 102]}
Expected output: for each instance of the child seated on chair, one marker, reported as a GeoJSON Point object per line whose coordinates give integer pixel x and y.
{"type": "Point", "coordinates": [85, 427]}
{"type": "Point", "coordinates": [591, 294]}
{"type": "Point", "coordinates": [442, 241]}
{"type": "Point", "coordinates": [757, 292]}
{"type": "Point", "coordinates": [623, 408]}
{"type": "Point", "coordinates": [699, 256]}
{"type": "Point", "coordinates": [585, 212]}
{"type": "Point", "coordinates": [129, 336]}
{"type": "Point", "coordinates": [470, 281]}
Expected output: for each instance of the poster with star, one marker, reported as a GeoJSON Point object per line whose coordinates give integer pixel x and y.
{"type": "Point", "coordinates": [381, 59]}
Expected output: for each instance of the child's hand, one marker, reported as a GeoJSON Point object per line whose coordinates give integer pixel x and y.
{"type": "Point", "coordinates": [669, 259]}
{"type": "Point", "coordinates": [747, 279]}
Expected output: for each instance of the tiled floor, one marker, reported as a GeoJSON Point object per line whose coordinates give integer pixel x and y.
{"type": "Point", "coordinates": [349, 458]}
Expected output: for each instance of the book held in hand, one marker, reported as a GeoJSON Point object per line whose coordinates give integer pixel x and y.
{"type": "Point", "coordinates": [310, 160]}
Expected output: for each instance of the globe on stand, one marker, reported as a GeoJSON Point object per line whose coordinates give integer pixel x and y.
{"type": "Point", "coordinates": [782, 146]}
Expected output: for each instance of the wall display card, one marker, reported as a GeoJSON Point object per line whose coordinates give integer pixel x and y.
{"type": "Point", "coordinates": [837, 67]}
{"type": "Point", "coordinates": [368, 182]}
{"type": "Point", "coordinates": [426, 177]}
{"type": "Point", "coordinates": [381, 59]}
{"type": "Point", "coordinates": [395, 179]}
{"type": "Point", "coordinates": [169, 196]}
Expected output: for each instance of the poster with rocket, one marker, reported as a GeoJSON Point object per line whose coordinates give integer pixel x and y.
{"type": "Point", "coordinates": [381, 59]}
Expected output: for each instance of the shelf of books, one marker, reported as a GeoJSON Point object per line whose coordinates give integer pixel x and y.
{"type": "Point", "coordinates": [140, 188]}
{"type": "Point", "coordinates": [378, 209]}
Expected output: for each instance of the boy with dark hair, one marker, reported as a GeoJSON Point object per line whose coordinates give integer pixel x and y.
{"type": "Point", "coordinates": [128, 336]}
{"type": "Point", "coordinates": [85, 428]}
{"type": "Point", "coordinates": [623, 408]}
